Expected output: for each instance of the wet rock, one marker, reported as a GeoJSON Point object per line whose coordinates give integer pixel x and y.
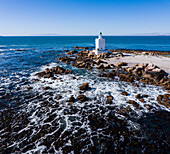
{"type": "Point", "coordinates": [148, 106]}
{"type": "Point", "coordinates": [146, 96]}
{"type": "Point", "coordinates": [142, 100]}
{"type": "Point", "coordinates": [125, 111]}
{"type": "Point", "coordinates": [36, 80]}
{"type": "Point", "coordinates": [135, 104]}
{"type": "Point", "coordinates": [46, 88]}
{"type": "Point", "coordinates": [125, 77]}
{"type": "Point", "coordinates": [82, 98]}
{"type": "Point", "coordinates": [124, 93]}
{"type": "Point", "coordinates": [164, 100]}
{"type": "Point", "coordinates": [29, 87]}
{"type": "Point", "coordinates": [84, 86]}
{"type": "Point", "coordinates": [76, 47]}
{"type": "Point", "coordinates": [101, 66]}
{"type": "Point", "coordinates": [48, 75]}
{"type": "Point", "coordinates": [110, 97]}
{"type": "Point", "coordinates": [138, 96]}
{"type": "Point", "coordinates": [135, 85]}
{"type": "Point", "coordinates": [72, 52]}
{"type": "Point", "coordinates": [58, 97]}
{"type": "Point", "coordinates": [71, 99]}
{"type": "Point", "coordinates": [50, 72]}
{"type": "Point", "coordinates": [73, 77]}
{"type": "Point", "coordinates": [109, 101]}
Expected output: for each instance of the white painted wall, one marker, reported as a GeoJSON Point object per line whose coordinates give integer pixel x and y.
{"type": "Point", "coordinates": [100, 43]}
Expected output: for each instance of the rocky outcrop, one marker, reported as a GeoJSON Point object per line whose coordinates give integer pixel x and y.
{"type": "Point", "coordinates": [72, 52]}
{"type": "Point", "coordinates": [135, 104]}
{"type": "Point", "coordinates": [164, 100]}
{"type": "Point", "coordinates": [84, 86]}
{"type": "Point", "coordinates": [49, 73]}
{"type": "Point", "coordinates": [109, 99]}
{"type": "Point", "coordinates": [125, 77]}
{"type": "Point", "coordinates": [76, 47]}
{"type": "Point", "coordinates": [121, 64]}
{"type": "Point", "coordinates": [71, 99]}
{"type": "Point", "coordinates": [124, 93]}
{"type": "Point", "coordinates": [138, 96]}
{"type": "Point", "coordinates": [108, 75]}
{"type": "Point", "coordinates": [82, 98]}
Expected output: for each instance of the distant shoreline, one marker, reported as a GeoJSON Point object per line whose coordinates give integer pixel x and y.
{"type": "Point", "coordinates": [84, 35]}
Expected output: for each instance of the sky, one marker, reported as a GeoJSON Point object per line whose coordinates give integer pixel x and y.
{"type": "Point", "coordinates": [84, 17]}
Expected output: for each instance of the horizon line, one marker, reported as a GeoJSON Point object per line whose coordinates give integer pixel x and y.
{"type": "Point", "coordinates": [89, 35]}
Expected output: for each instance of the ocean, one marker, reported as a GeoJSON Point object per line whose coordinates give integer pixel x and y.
{"type": "Point", "coordinates": [35, 120]}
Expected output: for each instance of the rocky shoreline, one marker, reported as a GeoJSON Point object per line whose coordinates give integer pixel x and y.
{"type": "Point", "coordinates": [145, 73]}
{"type": "Point", "coordinates": [72, 120]}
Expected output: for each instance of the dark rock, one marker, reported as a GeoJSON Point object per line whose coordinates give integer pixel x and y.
{"type": "Point", "coordinates": [59, 97]}
{"type": "Point", "coordinates": [76, 47]}
{"type": "Point", "coordinates": [121, 64]}
{"type": "Point", "coordinates": [135, 104]}
{"type": "Point", "coordinates": [101, 66]}
{"type": "Point", "coordinates": [72, 52]}
{"type": "Point", "coordinates": [146, 96]}
{"type": "Point", "coordinates": [138, 96]}
{"type": "Point", "coordinates": [82, 98]}
{"type": "Point", "coordinates": [109, 101]}
{"type": "Point", "coordinates": [84, 86]}
{"type": "Point", "coordinates": [110, 97]}
{"type": "Point", "coordinates": [29, 87]}
{"type": "Point", "coordinates": [142, 100]}
{"type": "Point", "coordinates": [46, 88]}
{"type": "Point", "coordinates": [71, 99]}
{"type": "Point", "coordinates": [98, 62]}
{"type": "Point", "coordinates": [124, 93]}
{"type": "Point", "coordinates": [164, 100]}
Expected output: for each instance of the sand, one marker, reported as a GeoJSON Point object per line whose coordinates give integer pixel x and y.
{"type": "Point", "coordinates": [132, 59]}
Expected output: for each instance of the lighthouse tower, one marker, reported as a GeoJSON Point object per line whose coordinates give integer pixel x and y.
{"type": "Point", "coordinates": [100, 43]}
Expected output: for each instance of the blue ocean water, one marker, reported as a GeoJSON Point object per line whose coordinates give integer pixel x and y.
{"type": "Point", "coordinates": [161, 43]}
{"type": "Point", "coordinates": [40, 50]}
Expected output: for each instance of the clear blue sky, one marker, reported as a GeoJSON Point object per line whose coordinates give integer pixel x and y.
{"type": "Point", "coordinates": [84, 17]}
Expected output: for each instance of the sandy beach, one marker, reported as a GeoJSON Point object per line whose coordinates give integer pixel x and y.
{"type": "Point", "coordinates": [133, 59]}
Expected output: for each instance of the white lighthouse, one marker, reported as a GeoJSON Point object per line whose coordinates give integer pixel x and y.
{"type": "Point", "coordinates": [100, 44]}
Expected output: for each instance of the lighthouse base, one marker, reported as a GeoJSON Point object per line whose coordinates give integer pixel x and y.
{"type": "Point", "coordinates": [98, 51]}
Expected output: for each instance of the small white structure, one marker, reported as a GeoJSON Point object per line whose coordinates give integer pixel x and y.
{"type": "Point", "coordinates": [100, 44]}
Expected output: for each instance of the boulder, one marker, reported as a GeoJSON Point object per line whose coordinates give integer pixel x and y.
{"type": "Point", "coordinates": [76, 47]}
{"type": "Point", "coordinates": [138, 96]}
{"type": "Point", "coordinates": [164, 100]}
{"type": "Point", "coordinates": [98, 62]}
{"type": "Point", "coordinates": [46, 88]}
{"type": "Point", "coordinates": [84, 86]}
{"type": "Point", "coordinates": [72, 52]}
{"type": "Point", "coordinates": [146, 96]}
{"type": "Point", "coordinates": [135, 104]}
{"type": "Point", "coordinates": [124, 93]}
{"type": "Point", "coordinates": [110, 97]}
{"type": "Point", "coordinates": [121, 64]}
{"type": "Point", "coordinates": [71, 99]}
{"type": "Point", "coordinates": [59, 97]}
{"type": "Point", "coordinates": [101, 66]}
{"type": "Point", "coordinates": [82, 98]}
